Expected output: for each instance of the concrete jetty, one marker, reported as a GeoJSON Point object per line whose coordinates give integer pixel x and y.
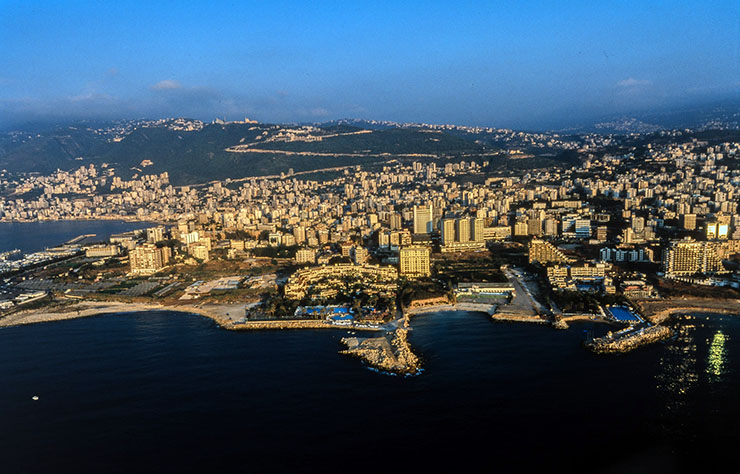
{"type": "Point", "coordinates": [629, 339]}
{"type": "Point", "coordinates": [390, 352]}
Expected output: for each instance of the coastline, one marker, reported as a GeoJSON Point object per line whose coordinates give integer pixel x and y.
{"type": "Point", "coordinates": [75, 311]}
{"type": "Point", "coordinates": [658, 311]}
{"type": "Point", "coordinates": [390, 351]}
{"type": "Point", "coordinates": [85, 219]}
{"type": "Point", "coordinates": [224, 315]}
{"type": "Point", "coordinates": [488, 309]}
{"type": "Point", "coordinates": [655, 311]}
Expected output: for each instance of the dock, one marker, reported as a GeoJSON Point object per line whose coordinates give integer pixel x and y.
{"type": "Point", "coordinates": [629, 339]}
{"type": "Point", "coordinates": [79, 238]}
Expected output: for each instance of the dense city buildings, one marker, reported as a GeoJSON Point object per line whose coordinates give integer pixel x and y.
{"type": "Point", "coordinates": [587, 224]}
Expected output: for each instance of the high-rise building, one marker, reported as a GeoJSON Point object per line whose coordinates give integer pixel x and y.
{"type": "Point", "coordinates": [448, 231]}
{"type": "Point", "coordinates": [688, 257]}
{"type": "Point", "coordinates": [395, 221]}
{"type": "Point", "coordinates": [478, 226]}
{"type": "Point", "coordinates": [346, 249]}
{"type": "Point", "coordinates": [463, 230]}
{"type": "Point", "coordinates": [601, 233]}
{"type": "Point", "coordinates": [189, 237]}
{"type": "Point", "coordinates": [148, 259]}
{"type": "Point", "coordinates": [154, 234]}
{"type": "Point", "coordinates": [464, 234]}
{"type": "Point", "coordinates": [299, 232]}
{"type": "Point", "coordinates": [534, 226]}
{"type": "Point", "coordinates": [414, 261]}
{"type": "Point", "coordinates": [723, 231]}
{"type": "Point", "coordinates": [521, 228]}
{"type": "Point", "coordinates": [200, 252]}
{"type": "Point", "coordinates": [717, 230]}
{"type": "Point", "coordinates": [384, 238]}
{"type": "Point", "coordinates": [711, 229]}
{"type": "Point", "coordinates": [583, 228]}
{"type": "Point", "coordinates": [628, 236]}
{"type": "Point", "coordinates": [305, 256]}
{"type": "Point", "coordinates": [638, 224]}
{"type": "Point", "coordinates": [550, 227]}
{"type": "Point", "coordinates": [688, 221]}
{"type": "Point", "coordinates": [360, 255]}
{"type": "Point", "coordinates": [423, 219]}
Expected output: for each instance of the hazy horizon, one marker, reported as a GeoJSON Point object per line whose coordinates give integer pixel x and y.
{"type": "Point", "coordinates": [531, 66]}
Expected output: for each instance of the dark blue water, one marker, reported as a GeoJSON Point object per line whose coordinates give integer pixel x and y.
{"type": "Point", "coordinates": [35, 236]}
{"type": "Point", "coordinates": [169, 392]}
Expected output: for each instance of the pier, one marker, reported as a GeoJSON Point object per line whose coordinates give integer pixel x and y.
{"type": "Point", "coordinates": [629, 339]}
{"type": "Point", "coordinates": [5, 255]}
{"type": "Point", "coordinates": [79, 238]}
{"type": "Point", "coordinates": [390, 352]}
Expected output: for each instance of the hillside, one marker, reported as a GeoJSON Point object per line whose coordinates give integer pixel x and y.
{"type": "Point", "coordinates": [47, 151]}
{"type": "Point", "coordinates": [194, 152]}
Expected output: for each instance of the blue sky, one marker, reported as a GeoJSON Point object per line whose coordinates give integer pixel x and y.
{"type": "Point", "coordinates": [509, 64]}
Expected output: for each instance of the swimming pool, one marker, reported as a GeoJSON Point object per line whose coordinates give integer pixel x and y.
{"type": "Point", "coordinates": [623, 314]}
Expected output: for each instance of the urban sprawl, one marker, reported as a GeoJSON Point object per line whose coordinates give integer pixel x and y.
{"type": "Point", "coordinates": [361, 245]}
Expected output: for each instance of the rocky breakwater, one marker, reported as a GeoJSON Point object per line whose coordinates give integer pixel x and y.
{"type": "Point", "coordinates": [629, 339]}
{"type": "Point", "coordinates": [389, 353]}
{"type": "Point", "coordinates": [279, 324]}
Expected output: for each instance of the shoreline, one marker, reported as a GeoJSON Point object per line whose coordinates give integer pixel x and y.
{"type": "Point", "coordinates": [658, 311]}
{"type": "Point", "coordinates": [390, 351]}
{"type": "Point", "coordinates": [83, 219]}
{"type": "Point", "coordinates": [75, 311]}
{"type": "Point", "coordinates": [216, 313]}
{"type": "Point", "coordinates": [490, 310]}
{"type": "Point", "coordinates": [655, 311]}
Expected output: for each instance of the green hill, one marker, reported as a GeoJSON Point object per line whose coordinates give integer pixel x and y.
{"type": "Point", "coordinates": [231, 150]}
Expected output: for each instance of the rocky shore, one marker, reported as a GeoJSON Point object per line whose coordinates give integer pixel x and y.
{"type": "Point", "coordinates": [630, 340]}
{"type": "Point", "coordinates": [516, 318]}
{"type": "Point", "coordinates": [293, 324]}
{"type": "Point", "coordinates": [390, 352]}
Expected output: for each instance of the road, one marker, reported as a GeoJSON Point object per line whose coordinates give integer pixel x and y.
{"type": "Point", "coordinates": [523, 303]}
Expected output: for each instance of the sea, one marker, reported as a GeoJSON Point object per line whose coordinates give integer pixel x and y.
{"type": "Point", "coordinates": [36, 236]}
{"type": "Point", "coordinates": [163, 391]}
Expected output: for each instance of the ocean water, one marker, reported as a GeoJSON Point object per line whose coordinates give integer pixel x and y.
{"type": "Point", "coordinates": [35, 236]}
{"type": "Point", "coordinates": [170, 392]}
